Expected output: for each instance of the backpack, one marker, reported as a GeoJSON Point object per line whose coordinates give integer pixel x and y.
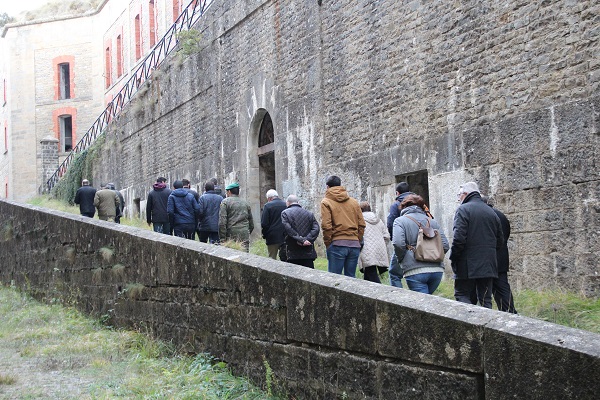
{"type": "Point", "coordinates": [429, 244]}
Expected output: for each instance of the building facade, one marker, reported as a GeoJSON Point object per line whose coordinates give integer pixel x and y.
{"type": "Point", "coordinates": [58, 75]}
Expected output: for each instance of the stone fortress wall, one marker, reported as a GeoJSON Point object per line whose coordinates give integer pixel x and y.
{"type": "Point", "coordinates": [321, 335]}
{"type": "Point", "coordinates": [504, 93]}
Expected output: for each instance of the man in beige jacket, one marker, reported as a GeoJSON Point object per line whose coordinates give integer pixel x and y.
{"type": "Point", "coordinates": [343, 227]}
{"type": "Point", "coordinates": [107, 202]}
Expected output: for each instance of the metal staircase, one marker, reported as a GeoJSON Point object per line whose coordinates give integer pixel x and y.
{"type": "Point", "coordinates": [188, 17]}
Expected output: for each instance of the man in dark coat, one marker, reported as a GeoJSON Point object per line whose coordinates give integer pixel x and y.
{"type": "Point", "coordinates": [272, 229]}
{"type": "Point", "coordinates": [477, 238]}
{"type": "Point", "coordinates": [402, 191]}
{"type": "Point", "coordinates": [301, 230]}
{"type": "Point", "coordinates": [119, 210]}
{"type": "Point", "coordinates": [85, 198]}
{"type": "Point", "coordinates": [208, 216]}
{"type": "Point", "coordinates": [183, 209]}
{"type": "Point", "coordinates": [501, 290]}
{"type": "Point", "coordinates": [156, 207]}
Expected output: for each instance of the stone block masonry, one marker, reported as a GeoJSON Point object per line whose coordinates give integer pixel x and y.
{"type": "Point", "coordinates": [504, 93]}
{"type": "Point", "coordinates": [322, 335]}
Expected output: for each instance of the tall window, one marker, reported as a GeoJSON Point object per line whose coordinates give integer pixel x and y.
{"type": "Point", "coordinates": [176, 9]}
{"type": "Point", "coordinates": [119, 56]}
{"type": "Point", "coordinates": [138, 38]}
{"type": "Point", "coordinates": [65, 123]}
{"type": "Point", "coordinates": [5, 138]}
{"type": "Point", "coordinates": [64, 81]}
{"type": "Point", "coordinates": [152, 23]}
{"type": "Point", "coordinates": [107, 73]}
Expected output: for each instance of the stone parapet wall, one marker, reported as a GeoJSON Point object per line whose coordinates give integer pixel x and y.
{"type": "Point", "coordinates": [322, 335]}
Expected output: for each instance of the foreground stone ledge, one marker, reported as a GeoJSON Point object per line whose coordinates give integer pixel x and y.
{"type": "Point", "coordinates": [320, 335]}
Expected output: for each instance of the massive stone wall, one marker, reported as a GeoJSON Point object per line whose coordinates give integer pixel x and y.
{"type": "Point", "coordinates": [504, 93]}
{"type": "Point", "coordinates": [322, 335]}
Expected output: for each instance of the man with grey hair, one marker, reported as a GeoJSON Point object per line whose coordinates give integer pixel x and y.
{"type": "Point", "coordinates": [301, 230]}
{"type": "Point", "coordinates": [272, 229]}
{"type": "Point", "coordinates": [477, 238]}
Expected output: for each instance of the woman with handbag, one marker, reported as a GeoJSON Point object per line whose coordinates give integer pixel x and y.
{"type": "Point", "coordinates": [421, 275]}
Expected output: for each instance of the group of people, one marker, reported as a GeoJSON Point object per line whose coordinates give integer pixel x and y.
{"type": "Point", "coordinates": [108, 201]}
{"type": "Point", "coordinates": [353, 234]}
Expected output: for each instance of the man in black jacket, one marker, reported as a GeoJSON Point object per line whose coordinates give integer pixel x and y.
{"type": "Point", "coordinates": [477, 239]}
{"type": "Point", "coordinates": [156, 207]}
{"type": "Point", "coordinates": [301, 230]}
{"type": "Point", "coordinates": [272, 229]}
{"type": "Point", "coordinates": [501, 290]}
{"type": "Point", "coordinates": [85, 198]}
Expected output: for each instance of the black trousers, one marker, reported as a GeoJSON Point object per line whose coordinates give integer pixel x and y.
{"type": "Point", "coordinates": [503, 294]}
{"type": "Point", "coordinates": [305, 262]}
{"type": "Point", "coordinates": [206, 236]}
{"type": "Point", "coordinates": [473, 291]}
{"type": "Point", "coordinates": [371, 274]}
{"type": "Point", "coordinates": [187, 231]}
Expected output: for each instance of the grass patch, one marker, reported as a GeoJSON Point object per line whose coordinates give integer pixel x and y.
{"type": "Point", "coordinates": [117, 363]}
{"type": "Point", "coordinates": [7, 379]}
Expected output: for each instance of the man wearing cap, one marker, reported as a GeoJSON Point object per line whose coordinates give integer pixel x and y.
{"type": "Point", "coordinates": [85, 198]}
{"type": "Point", "coordinates": [235, 217]}
{"type": "Point", "coordinates": [119, 210]}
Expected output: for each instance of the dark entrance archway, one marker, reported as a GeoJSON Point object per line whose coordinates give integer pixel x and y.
{"type": "Point", "coordinates": [266, 158]}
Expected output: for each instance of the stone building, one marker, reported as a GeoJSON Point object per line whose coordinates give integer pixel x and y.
{"type": "Point", "coordinates": [59, 73]}
{"type": "Point", "coordinates": [282, 94]}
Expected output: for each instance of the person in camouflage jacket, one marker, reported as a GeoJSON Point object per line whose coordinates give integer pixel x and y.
{"type": "Point", "coordinates": [235, 218]}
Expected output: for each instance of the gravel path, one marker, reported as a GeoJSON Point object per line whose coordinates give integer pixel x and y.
{"type": "Point", "coordinates": [40, 377]}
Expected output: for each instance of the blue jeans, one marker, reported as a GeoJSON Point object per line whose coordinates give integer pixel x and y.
{"type": "Point", "coordinates": [342, 259]}
{"type": "Point", "coordinates": [162, 227]}
{"type": "Point", "coordinates": [395, 272]}
{"type": "Point", "coordinates": [424, 283]}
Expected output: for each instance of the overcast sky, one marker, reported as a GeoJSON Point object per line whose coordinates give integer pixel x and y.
{"type": "Point", "coordinates": [14, 7]}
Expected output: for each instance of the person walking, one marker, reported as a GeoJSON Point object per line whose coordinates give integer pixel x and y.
{"type": "Point", "coordinates": [301, 230]}
{"type": "Point", "coordinates": [374, 259]}
{"type": "Point", "coordinates": [501, 288]}
{"type": "Point", "coordinates": [235, 217]}
{"type": "Point", "coordinates": [85, 198]}
{"type": "Point", "coordinates": [156, 207]}
{"type": "Point", "coordinates": [182, 208]}
{"type": "Point", "coordinates": [421, 276]}
{"type": "Point", "coordinates": [272, 228]}
{"type": "Point", "coordinates": [208, 216]}
{"type": "Point", "coordinates": [402, 190]}
{"type": "Point", "coordinates": [477, 239]}
{"type": "Point", "coordinates": [118, 211]}
{"type": "Point", "coordinates": [343, 228]}
{"type": "Point", "coordinates": [107, 203]}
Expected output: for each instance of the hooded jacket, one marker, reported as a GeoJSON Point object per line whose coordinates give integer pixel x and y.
{"type": "Point", "coordinates": [477, 238]}
{"type": "Point", "coordinates": [341, 217]}
{"type": "Point", "coordinates": [156, 205]}
{"type": "Point", "coordinates": [406, 232]}
{"type": "Point", "coordinates": [376, 239]}
{"type": "Point", "coordinates": [182, 207]}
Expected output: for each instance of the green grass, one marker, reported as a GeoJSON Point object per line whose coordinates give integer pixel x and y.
{"type": "Point", "coordinates": [118, 363]}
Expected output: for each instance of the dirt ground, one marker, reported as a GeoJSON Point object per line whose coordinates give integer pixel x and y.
{"type": "Point", "coordinates": [40, 377]}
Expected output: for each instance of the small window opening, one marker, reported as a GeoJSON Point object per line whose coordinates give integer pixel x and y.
{"type": "Point", "coordinates": [66, 133]}
{"type": "Point", "coordinates": [418, 182]}
{"type": "Point", "coordinates": [64, 81]}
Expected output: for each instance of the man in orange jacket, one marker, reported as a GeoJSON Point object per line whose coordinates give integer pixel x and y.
{"type": "Point", "coordinates": [343, 228]}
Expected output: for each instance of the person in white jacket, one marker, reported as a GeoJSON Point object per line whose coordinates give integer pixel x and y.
{"type": "Point", "coordinates": [374, 258]}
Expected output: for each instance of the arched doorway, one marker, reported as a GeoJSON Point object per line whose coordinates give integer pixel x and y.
{"type": "Point", "coordinates": [266, 158]}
